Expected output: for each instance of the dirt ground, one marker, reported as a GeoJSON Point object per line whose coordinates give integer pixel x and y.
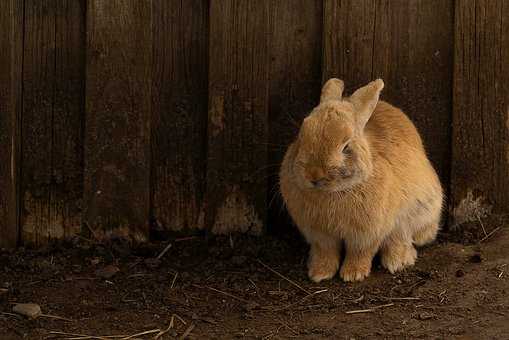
{"type": "Point", "coordinates": [255, 288]}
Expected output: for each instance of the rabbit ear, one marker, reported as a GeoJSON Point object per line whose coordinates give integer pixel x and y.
{"type": "Point", "coordinates": [332, 90]}
{"type": "Point", "coordinates": [365, 99]}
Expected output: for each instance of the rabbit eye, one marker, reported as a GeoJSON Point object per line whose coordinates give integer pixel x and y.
{"type": "Point", "coordinates": [346, 148]}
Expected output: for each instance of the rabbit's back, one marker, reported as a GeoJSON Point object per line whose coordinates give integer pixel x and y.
{"type": "Point", "coordinates": [397, 147]}
{"type": "Point", "coordinates": [390, 130]}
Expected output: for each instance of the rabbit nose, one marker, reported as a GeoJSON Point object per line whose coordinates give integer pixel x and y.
{"type": "Point", "coordinates": [318, 182]}
{"type": "Point", "coordinates": [316, 176]}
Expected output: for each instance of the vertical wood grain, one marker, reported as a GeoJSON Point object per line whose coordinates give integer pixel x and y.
{"type": "Point", "coordinates": [480, 162]}
{"type": "Point", "coordinates": [238, 105]}
{"type": "Point", "coordinates": [179, 112]}
{"type": "Point", "coordinates": [118, 105]}
{"type": "Point", "coordinates": [430, 79]}
{"type": "Point", "coordinates": [53, 103]}
{"type": "Point", "coordinates": [38, 97]}
{"type": "Point", "coordinates": [68, 117]}
{"type": "Point", "coordinates": [348, 38]}
{"type": "Point", "coordinates": [11, 56]}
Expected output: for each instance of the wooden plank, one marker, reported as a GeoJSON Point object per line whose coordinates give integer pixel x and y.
{"type": "Point", "coordinates": [480, 165]}
{"type": "Point", "coordinates": [38, 96]}
{"type": "Point", "coordinates": [348, 38]}
{"type": "Point", "coordinates": [295, 82]}
{"type": "Point", "coordinates": [179, 112]}
{"type": "Point", "coordinates": [413, 53]}
{"type": "Point", "coordinates": [11, 50]}
{"type": "Point", "coordinates": [53, 100]}
{"type": "Point", "coordinates": [238, 105]}
{"type": "Point", "coordinates": [409, 45]}
{"type": "Point", "coordinates": [431, 60]}
{"type": "Point", "coordinates": [391, 55]}
{"type": "Point", "coordinates": [68, 116]}
{"type": "Point", "coordinates": [118, 104]}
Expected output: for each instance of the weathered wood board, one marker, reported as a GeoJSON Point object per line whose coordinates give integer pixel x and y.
{"type": "Point", "coordinates": [11, 38]}
{"type": "Point", "coordinates": [179, 113]}
{"type": "Point", "coordinates": [118, 108]}
{"type": "Point", "coordinates": [238, 109]}
{"type": "Point", "coordinates": [480, 133]}
{"type": "Point", "coordinates": [53, 105]}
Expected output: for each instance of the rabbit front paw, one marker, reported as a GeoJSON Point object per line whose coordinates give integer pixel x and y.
{"type": "Point", "coordinates": [322, 268]}
{"type": "Point", "coordinates": [397, 258]}
{"type": "Point", "coordinates": [355, 270]}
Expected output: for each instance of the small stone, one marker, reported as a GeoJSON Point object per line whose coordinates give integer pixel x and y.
{"type": "Point", "coordinates": [30, 310]}
{"type": "Point", "coordinates": [426, 316]}
{"type": "Point", "coordinates": [107, 272]}
{"type": "Point", "coordinates": [460, 273]}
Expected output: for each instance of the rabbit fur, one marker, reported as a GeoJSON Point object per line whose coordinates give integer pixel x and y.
{"type": "Point", "coordinates": [357, 176]}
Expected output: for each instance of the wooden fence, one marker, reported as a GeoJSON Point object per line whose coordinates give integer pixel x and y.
{"type": "Point", "coordinates": [118, 116]}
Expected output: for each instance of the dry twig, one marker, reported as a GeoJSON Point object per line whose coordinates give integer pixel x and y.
{"type": "Point", "coordinates": [359, 299]}
{"type": "Point", "coordinates": [490, 234]}
{"type": "Point", "coordinates": [93, 337]}
{"type": "Point", "coordinates": [298, 302]}
{"type": "Point", "coordinates": [161, 333]}
{"type": "Point", "coordinates": [164, 251]}
{"type": "Point", "coordinates": [482, 225]}
{"type": "Point", "coordinates": [224, 293]}
{"type": "Point", "coordinates": [184, 239]}
{"type": "Point", "coordinates": [174, 279]}
{"type": "Point", "coordinates": [92, 232]}
{"type": "Point", "coordinates": [181, 320]}
{"type": "Point", "coordinates": [152, 331]}
{"type": "Point", "coordinates": [187, 332]}
{"type": "Point", "coordinates": [78, 336]}
{"type": "Point", "coordinates": [55, 317]}
{"type": "Point", "coordinates": [369, 310]}
{"type": "Point", "coordinates": [284, 277]}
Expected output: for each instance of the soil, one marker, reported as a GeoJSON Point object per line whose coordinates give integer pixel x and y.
{"type": "Point", "coordinates": [255, 288]}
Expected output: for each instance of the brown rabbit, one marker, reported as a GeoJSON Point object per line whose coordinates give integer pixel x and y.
{"type": "Point", "coordinates": [358, 175]}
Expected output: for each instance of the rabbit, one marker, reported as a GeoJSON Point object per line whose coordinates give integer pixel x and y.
{"type": "Point", "coordinates": [357, 176]}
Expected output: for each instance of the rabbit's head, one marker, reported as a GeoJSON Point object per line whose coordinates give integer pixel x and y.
{"type": "Point", "coordinates": [332, 151]}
